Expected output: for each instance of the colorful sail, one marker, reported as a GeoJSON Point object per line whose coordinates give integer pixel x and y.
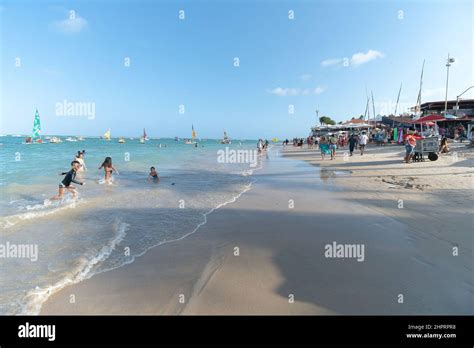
{"type": "Point", "coordinates": [107, 134]}
{"type": "Point", "coordinates": [36, 126]}
{"type": "Point", "coordinates": [145, 137]}
{"type": "Point", "coordinates": [193, 132]}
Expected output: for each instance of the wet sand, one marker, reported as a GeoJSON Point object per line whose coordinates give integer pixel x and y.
{"type": "Point", "coordinates": [265, 253]}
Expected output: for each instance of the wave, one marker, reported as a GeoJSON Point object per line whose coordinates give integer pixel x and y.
{"type": "Point", "coordinates": [35, 299]}
{"type": "Point", "coordinates": [39, 210]}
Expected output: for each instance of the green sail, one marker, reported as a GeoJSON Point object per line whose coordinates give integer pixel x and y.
{"type": "Point", "coordinates": [37, 126]}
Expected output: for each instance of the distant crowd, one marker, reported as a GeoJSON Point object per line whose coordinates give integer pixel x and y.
{"type": "Point", "coordinates": [330, 142]}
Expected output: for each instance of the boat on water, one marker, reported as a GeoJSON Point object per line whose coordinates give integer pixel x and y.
{"type": "Point", "coordinates": [191, 141]}
{"type": "Point", "coordinates": [81, 139]}
{"type": "Point", "coordinates": [225, 139]}
{"type": "Point", "coordinates": [36, 133]}
{"type": "Point", "coordinates": [144, 137]}
{"type": "Point", "coordinates": [55, 140]}
{"type": "Point", "coordinates": [121, 141]}
{"type": "Point", "coordinates": [106, 135]}
{"type": "Point", "coordinates": [176, 139]}
{"type": "Point", "coordinates": [71, 139]}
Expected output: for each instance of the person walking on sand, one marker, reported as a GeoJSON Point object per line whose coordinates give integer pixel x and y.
{"type": "Point", "coordinates": [333, 145]}
{"type": "Point", "coordinates": [363, 139]}
{"type": "Point", "coordinates": [352, 144]}
{"type": "Point", "coordinates": [410, 144]}
{"type": "Point", "coordinates": [70, 177]}
{"type": "Point", "coordinates": [108, 169]}
{"type": "Point", "coordinates": [324, 147]}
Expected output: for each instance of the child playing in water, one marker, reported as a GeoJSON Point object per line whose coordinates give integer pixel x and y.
{"type": "Point", "coordinates": [153, 176]}
{"type": "Point", "coordinates": [108, 169]}
{"type": "Point", "coordinates": [68, 179]}
{"type": "Point", "coordinates": [80, 159]}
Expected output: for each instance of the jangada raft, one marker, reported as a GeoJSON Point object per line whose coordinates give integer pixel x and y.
{"type": "Point", "coordinates": [36, 133]}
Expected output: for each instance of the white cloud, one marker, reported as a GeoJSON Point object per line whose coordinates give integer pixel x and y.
{"type": "Point", "coordinates": [331, 61]}
{"type": "Point", "coordinates": [284, 92]}
{"type": "Point", "coordinates": [362, 58]}
{"type": "Point", "coordinates": [356, 60]}
{"type": "Point", "coordinates": [306, 77]}
{"type": "Point", "coordinates": [71, 25]}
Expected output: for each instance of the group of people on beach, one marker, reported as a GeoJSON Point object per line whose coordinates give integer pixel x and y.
{"type": "Point", "coordinates": [329, 143]}
{"type": "Point", "coordinates": [78, 167]}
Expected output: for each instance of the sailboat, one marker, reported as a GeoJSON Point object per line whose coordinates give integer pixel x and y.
{"type": "Point", "coordinates": [106, 135]}
{"type": "Point", "coordinates": [225, 139]}
{"type": "Point", "coordinates": [144, 137]}
{"type": "Point", "coordinates": [121, 140]}
{"type": "Point", "coordinates": [193, 137]}
{"type": "Point", "coordinates": [36, 136]}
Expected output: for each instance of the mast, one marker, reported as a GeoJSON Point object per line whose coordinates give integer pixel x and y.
{"type": "Point", "coordinates": [418, 101]}
{"type": "Point", "coordinates": [373, 108]}
{"type": "Point", "coordinates": [398, 98]}
{"type": "Point", "coordinates": [366, 109]}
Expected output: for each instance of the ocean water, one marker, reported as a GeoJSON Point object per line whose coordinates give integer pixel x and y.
{"type": "Point", "coordinates": [108, 225]}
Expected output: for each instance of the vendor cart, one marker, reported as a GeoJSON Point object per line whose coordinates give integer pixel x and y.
{"type": "Point", "coordinates": [426, 146]}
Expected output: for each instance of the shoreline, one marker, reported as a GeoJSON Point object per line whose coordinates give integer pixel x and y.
{"type": "Point", "coordinates": [280, 257]}
{"type": "Point", "coordinates": [45, 294]}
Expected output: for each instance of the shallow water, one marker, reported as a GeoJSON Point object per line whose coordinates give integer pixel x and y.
{"type": "Point", "coordinates": [108, 225]}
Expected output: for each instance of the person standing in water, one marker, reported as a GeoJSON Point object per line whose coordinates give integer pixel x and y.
{"type": "Point", "coordinates": [68, 179]}
{"type": "Point", "coordinates": [80, 158]}
{"type": "Point", "coordinates": [153, 176]}
{"type": "Point", "coordinates": [108, 169]}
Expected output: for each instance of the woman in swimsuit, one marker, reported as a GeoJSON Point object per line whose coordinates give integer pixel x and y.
{"type": "Point", "coordinates": [108, 169]}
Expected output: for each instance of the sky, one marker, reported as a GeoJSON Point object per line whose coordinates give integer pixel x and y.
{"type": "Point", "coordinates": [254, 68]}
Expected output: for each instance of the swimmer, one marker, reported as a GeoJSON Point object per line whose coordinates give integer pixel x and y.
{"type": "Point", "coordinates": [108, 169]}
{"type": "Point", "coordinates": [68, 179]}
{"type": "Point", "coordinates": [153, 176]}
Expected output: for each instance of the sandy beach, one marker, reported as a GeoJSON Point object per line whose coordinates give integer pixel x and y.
{"type": "Point", "coordinates": [265, 253]}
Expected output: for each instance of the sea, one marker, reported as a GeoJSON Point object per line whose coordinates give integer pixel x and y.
{"type": "Point", "coordinates": [109, 224]}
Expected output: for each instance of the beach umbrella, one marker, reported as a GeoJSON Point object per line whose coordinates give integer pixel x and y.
{"type": "Point", "coordinates": [432, 117]}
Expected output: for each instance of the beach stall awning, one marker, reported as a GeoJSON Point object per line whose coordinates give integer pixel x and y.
{"type": "Point", "coordinates": [450, 117]}
{"type": "Point", "coordinates": [430, 118]}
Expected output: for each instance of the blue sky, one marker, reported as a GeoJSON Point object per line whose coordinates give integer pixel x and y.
{"type": "Point", "coordinates": [283, 62]}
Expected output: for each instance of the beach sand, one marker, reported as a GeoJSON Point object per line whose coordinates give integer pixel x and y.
{"type": "Point", "coordinates": [297, 206]}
